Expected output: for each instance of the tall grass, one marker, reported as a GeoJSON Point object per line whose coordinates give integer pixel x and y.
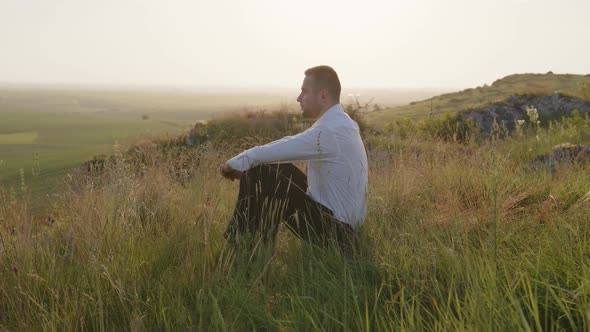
{"type": "Point", "coordinates": [457, 237]}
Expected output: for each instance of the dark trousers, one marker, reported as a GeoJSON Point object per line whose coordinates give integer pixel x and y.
{"type": "Point", "coordinates": [273, 193]}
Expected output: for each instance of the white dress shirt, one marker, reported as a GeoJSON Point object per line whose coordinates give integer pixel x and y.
{"type": "Point", "coordinates": [336, 159]}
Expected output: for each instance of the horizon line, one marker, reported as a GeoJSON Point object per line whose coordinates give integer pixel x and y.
{"type": "Point", "coordinates": [193, 87]}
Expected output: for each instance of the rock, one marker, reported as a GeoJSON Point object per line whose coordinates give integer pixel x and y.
{"type": "Point", "coordinates": [564, 153]}
{"type": "Point", "coordinates": [507, 112]}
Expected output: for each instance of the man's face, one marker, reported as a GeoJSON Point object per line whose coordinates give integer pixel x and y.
{"type": "Point", "coordinates": [310, 99]}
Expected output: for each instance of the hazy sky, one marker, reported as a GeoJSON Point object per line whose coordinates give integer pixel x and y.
{"type": "Point", "coordinates": [268, 43]}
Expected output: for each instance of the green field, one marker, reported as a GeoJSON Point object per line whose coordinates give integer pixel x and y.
{"type": "Point", "coordinates": [46, 133]}
{"type": "Point", "coordinates": [25, 138]}
{"type": "Point", "coordinates": [48, 145]}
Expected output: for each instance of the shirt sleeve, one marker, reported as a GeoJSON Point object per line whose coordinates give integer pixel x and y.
{"type": "Point", "coordinates": [316, 143]}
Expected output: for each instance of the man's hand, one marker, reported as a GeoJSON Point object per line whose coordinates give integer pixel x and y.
{"type": "Point", "coordinates": [229, 173]}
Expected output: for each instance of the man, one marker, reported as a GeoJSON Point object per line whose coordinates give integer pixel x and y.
{"type": "Point", "coordinates": [327, 204]}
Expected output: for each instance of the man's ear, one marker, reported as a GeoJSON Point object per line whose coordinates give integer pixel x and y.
{"type": "Point", "coordinates": [324, 95]}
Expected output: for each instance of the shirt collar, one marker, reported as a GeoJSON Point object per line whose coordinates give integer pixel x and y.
{"type": "Point", "coordinates": [328, 114]}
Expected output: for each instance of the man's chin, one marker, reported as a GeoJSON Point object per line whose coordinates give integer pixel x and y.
{"type": "Point", "coordinates": [306, 116]}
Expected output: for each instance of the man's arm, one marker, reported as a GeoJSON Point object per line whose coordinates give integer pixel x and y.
{"type": "Point", "coordinates": [313, 144]}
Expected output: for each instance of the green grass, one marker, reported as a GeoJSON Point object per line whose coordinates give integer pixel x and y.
{"type": "Point", "coordinates": [27, 137]}
{"type": "Point", "coordinates": [457, 237]}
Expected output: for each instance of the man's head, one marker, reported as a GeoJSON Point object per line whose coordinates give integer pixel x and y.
{"type": "Point", "coordinates": [320, 91]}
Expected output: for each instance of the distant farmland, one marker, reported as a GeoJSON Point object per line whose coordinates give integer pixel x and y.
{"type": "Point", "coordinates": [46, 133]}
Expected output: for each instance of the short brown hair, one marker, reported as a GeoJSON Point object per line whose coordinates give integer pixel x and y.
{"type": "Point", "coordinates": [325, 77]}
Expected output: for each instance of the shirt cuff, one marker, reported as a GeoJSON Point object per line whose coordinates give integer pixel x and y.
{"type": "Point", "coordinates": [241, 162]}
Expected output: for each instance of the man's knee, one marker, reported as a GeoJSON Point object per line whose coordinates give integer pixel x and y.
{"type": "Point", "coordinates": [255, 173]}
{"type": "Point", "coordinates": [260, 169]}
{"type": "Point", "coordinates": [262, 178]}
{"type": "Point", "coordinates": [269, 171]}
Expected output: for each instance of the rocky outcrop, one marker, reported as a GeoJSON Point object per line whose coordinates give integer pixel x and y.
{"type": "Point", "coordinates": [564, 153]}
{"type": "Point", "coordinates": [507, 112]}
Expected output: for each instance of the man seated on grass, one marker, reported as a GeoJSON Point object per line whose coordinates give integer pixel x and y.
{"type": "Point", "coordinates": [328, 204]}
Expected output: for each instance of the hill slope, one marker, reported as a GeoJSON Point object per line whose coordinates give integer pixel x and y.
{"type": "Point", "coordinates": [464, 236]}
{"type": "Point", "coordinates": [530, 84]}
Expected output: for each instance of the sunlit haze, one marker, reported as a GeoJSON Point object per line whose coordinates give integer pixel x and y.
{"type": "Point", "coordinates": [269, 43]}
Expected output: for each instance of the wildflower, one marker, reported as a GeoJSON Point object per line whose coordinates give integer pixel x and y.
{"type": "Point", "coordinates": [533, 114]}
{"type": "Point", "coordinates": [520, 122]}
{"type": "Point", "coordinates": [23, 185]}
{"type": "Point", "coordinates": [566, 145]}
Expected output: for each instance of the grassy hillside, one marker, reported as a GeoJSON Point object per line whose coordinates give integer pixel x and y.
{"type": "Point", "coordinates": [574, 85]}
{"type": "Point", "coordinates": [458, 236]}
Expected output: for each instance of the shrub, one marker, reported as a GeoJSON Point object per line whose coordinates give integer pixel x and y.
{"type": "Point", "coordinates": [356, 112]}
{"type": "Point", "coordinates": [261, 123]}
{"type": "Point", "coordinates": [441, 127]}
{"type": "Point", "coordinates": [404, 126]}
